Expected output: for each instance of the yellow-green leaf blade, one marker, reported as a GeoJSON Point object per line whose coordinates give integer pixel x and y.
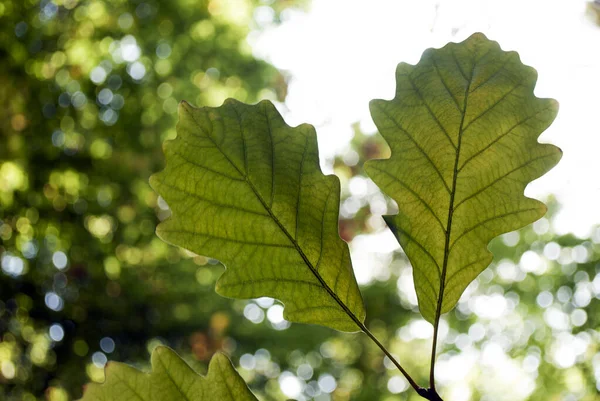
{"type": "Point", "coordinates": [171, 379]}
{"type": "Point", "coordinates": [463, 131]}
{"type": "Point", "coordinates": [246, 189]}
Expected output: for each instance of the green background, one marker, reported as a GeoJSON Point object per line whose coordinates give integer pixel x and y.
{"type": "Point", "coordinates": [88, 92]}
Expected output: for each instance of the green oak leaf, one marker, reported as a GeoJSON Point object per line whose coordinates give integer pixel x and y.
{"type": "Point", "coordinates": [463, 130]}
{"type": "Point", "coordinates": [245, 188]}
{"type": "Point", "coordinates": [171, 379]}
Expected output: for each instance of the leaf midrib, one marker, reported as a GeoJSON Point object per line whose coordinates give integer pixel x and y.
{"type": "Point", "coordinates": [172, 379]}
{"type": "Point", "coordinates": [130, 387]}
{"type": "Point", "coordinates": [226, 384]}
{"type": "Point", "coordinates": [275, 219]}
{"type": "Point", "coordinates": [448, 232]}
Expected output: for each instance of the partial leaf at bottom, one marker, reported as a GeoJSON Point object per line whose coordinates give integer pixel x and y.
{"type": "Point", "coordinates": [171, 379]}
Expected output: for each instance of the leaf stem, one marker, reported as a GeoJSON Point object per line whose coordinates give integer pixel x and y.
{"type": "Point", "coordinates": [414, 385]}
{"type": "Point", "coordinates": [433, 353]}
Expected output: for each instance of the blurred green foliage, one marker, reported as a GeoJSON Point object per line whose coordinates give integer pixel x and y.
{"type": "Point", "coordinates": [88, 91]}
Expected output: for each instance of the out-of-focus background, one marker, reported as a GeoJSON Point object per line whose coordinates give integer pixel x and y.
{"type": "Point", "coordinates": [89, 90]}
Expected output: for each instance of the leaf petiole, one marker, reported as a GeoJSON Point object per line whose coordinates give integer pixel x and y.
{"type": "Point", "coordinates": [413, 384]}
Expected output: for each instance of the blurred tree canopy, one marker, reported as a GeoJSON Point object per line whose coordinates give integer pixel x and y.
{"type": "Point", "coordinates": [88, 91]}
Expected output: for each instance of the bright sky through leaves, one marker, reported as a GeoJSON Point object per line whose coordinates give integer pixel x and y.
{"type": "Point", "coordinates": [555, 37]}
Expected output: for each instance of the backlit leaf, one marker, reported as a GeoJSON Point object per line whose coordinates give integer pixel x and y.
{"type": "Point", "coordinates": [171, 379]}
{"type": "Point", "coordinates": [246, 189]}
{"type": "Point", "coordinates": [463, 131]}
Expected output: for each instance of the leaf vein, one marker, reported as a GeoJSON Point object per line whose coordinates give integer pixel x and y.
{"type": "Point", "coordinates": [491, 107]}
{"type": "Point", "coordinates": [437, 170]}
{"type": "Point", "coordinates": [502, 136]}
{"type": "Point", "coordinates": [488, 79]}
{"type": "Point", "coordinates": [451, 288]}
{"type": "Point", "coordinates": [213, 141]}
{"type": "Point", "coordinates": [274, 279]}
{"type": "Point", "coordinates": [439, 74]}
{"type": "Point", "coordinates": [272, 154]}
{"type": "Point", "coordinates": [468, 230]}
{"type": "Point", "coordinates": [412, 191]}
{"type": "Point", "coordinates": [417, 243]}
{"type": "Point", "coordinates": [433, 116]}
{"type": "Point", "coordinates": [300, 188]}
{"type": "Point", "coordinates": [172, 380]}
{"type": "Point", "coordinates": [238, 241]}
{"type": "Point", "coordinates": [500, 179]}
{"type": "Point", "coordinates": [322, 237]}
{"type": "Point", "coordinates": [213, 202]}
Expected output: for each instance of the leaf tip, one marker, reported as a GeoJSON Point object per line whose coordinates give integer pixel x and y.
{"type": "Point", "coordinates": [159, 353]}
{"type": "Point", "coordinates": [266, 103]}
{"type": "Point", "coordinates": [231, 102]}
{"type": "Point", "coordinates": [185, 105]}
{"type": "Point", "coordinates": [376, 104]}
{"type": "Point", "coordinates": [154, 181]}
{"type": "Point", "coordinates": [554, 105]}
{"type": "Point", "coordinates": [220, 357]}
{"type": "Point", "coordinates": [159, 230]}
{"type": "Point", "coordinates": [161, 349]}
{"type": "Point", "coordinates": [478, 36]}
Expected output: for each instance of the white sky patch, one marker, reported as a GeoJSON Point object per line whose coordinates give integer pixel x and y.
{"type": "Point", "coordinates": [343, 53]}
{"type": "Point", "coordinates": [371, 256]}
{"type": "Point", "coordinates": [290, 385]}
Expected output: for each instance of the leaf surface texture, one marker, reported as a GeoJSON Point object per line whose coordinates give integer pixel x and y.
{"type": "Point", "coordinates": [246, 189]}
{"type": "Point", "coordinates": [171, 379]}
{"type": "Point", "coordinates": [463, 129]}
